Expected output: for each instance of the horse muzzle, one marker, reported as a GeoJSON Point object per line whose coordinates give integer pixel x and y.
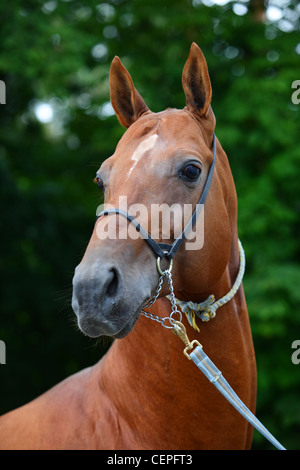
{"type": "Point", "coordinates": [105, 301]}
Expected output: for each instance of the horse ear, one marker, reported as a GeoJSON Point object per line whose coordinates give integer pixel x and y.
{"type": "Point", "coordinates": [196, 82]}
{"type": "Point", "coordinates": [125, 99]}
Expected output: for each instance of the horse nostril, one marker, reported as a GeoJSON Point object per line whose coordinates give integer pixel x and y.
{"type": "Point", "coordinates": [113, 284]}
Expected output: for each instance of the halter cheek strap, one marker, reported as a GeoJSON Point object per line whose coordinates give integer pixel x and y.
{"type": "Point", "coordinates": [165, 250]}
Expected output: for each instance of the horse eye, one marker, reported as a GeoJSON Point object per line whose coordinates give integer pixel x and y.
{"type": "Point", "coordinates": [191, 172]}
{"type": "Point", "coordinates": [99, 183]}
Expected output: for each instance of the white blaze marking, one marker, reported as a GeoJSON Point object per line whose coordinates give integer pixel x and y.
{"type": "Point", "coordinates": [143, 147]}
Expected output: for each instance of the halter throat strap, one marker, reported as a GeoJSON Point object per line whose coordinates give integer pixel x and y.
{"type": "Point", "coordinates": [165, 250]}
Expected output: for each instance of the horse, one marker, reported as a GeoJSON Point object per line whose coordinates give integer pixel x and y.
{"type": "Point", "coordinates": [144, 393]}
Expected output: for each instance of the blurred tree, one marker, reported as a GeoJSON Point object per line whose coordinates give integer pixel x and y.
{"type": "Point", "coordinates": [58, 125]}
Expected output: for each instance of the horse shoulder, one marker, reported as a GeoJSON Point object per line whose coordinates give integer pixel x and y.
{"type": "Point", "coordinates": [64, 417]}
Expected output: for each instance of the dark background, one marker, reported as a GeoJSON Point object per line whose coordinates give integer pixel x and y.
{"type": "Point", "coordinates": [57, 54]}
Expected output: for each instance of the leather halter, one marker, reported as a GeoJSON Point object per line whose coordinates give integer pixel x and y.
{"type": "Point", "coordinates": [165, 250]}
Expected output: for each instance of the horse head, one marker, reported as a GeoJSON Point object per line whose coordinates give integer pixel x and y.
{"type": "Point", "coordinates": [162, 161]}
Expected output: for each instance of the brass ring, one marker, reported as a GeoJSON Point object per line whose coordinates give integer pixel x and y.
{"type": "Point", "coordinates": [162, 273]}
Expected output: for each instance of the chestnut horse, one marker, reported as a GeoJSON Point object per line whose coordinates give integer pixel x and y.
{"type": "Point", "coordinates": [144, 393]}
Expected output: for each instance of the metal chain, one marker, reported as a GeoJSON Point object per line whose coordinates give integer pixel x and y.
{"type": "Point", "coordinates": [174, 309]}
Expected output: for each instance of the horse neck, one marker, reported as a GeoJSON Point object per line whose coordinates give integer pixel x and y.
{"type": "Point", "coordinates": [147, 370]}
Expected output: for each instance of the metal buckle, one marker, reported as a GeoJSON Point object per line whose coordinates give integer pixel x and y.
{"type": "Point", "coordinates": [162, 273]}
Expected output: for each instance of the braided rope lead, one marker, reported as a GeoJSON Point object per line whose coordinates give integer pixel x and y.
{"type": "Point", "coordinates": [207, 310]}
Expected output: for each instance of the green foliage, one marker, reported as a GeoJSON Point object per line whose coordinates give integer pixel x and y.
{"type": "Point", "coordinates": [59, 52]}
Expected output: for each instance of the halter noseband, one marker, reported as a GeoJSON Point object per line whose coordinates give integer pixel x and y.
{"type": "Point", "coordinates": [165, 250]}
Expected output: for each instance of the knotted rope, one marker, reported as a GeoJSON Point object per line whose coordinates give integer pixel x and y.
{"type": "Point", "coordinates": [207, 310]}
